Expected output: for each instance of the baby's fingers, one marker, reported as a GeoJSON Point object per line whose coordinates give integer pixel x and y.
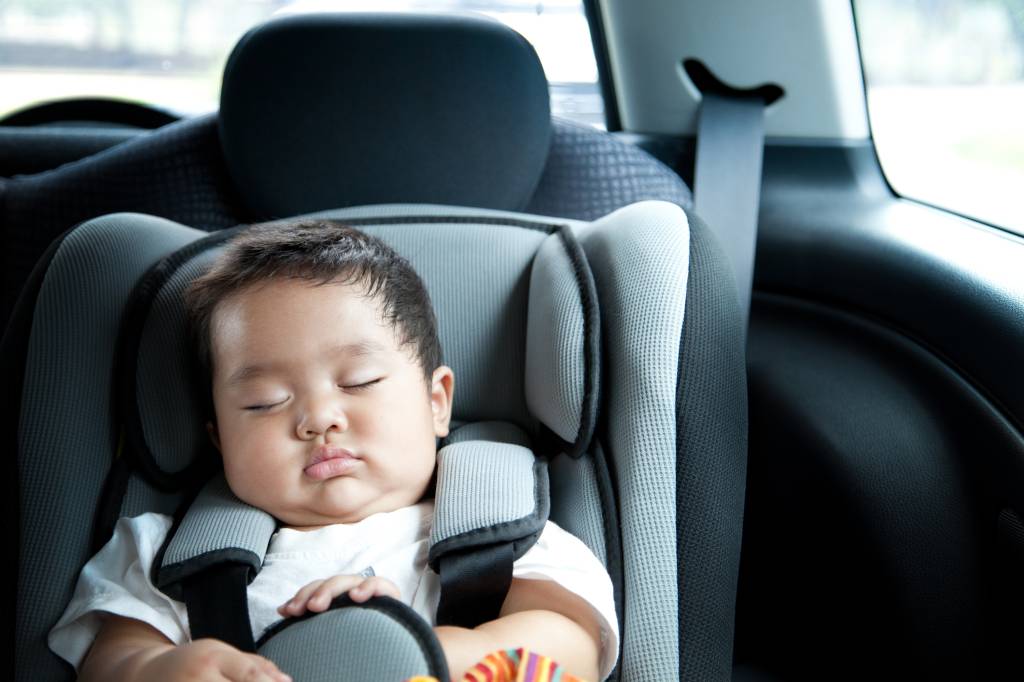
{"type": "Point", "coordinates": [296, 606]}
{"type": "Point", "coordinates": [329, 589]}
{"type": "Point", "coordinates": [252, 668]}
{"type": "Point", "coordinates": [375, 586]}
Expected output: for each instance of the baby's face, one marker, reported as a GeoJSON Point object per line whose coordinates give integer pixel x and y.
{"type": "Point", "coordinates": [321, 416]}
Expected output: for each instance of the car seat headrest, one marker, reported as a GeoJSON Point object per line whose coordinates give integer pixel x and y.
{"type": "Point", "coordinates": [517, 317]}
{"type": "Point", "coordinates": [333, 110]}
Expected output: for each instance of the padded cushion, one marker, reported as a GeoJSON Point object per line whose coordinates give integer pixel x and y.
{"type": "Point", "coordinates": [488, 493]}
{"type": "Point", "coordinates": [67, 434]}
{"type": "Point", "coordinates": [640, 259]}
{"type": "Point", "coordinates": [381, 639]}
{"type": "Point", "coordinates": [556, 336]}
{"type": "Point", "coordinates": [320, 111]}
{"type": "Point", "coordinates": [461, 254]}
{"type": "Point", "coordinates": [217, 527]}
{"type": "Point", "coordinates": [176, 172]}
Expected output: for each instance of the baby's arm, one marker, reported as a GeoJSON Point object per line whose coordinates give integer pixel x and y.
{"type": "Point", "coordinates": [128, 649]}
{"type": "Point", "coordinates": [539, 615]}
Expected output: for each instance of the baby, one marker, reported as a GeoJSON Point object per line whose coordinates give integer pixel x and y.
{"type": "Point", "coordinates": [328, 396]}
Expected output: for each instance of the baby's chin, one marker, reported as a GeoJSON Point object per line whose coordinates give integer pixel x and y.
{"type": "Point", "coordinates": [313, 520]}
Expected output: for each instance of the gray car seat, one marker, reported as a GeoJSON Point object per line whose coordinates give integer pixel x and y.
{"type": "Point", "coordinates": [180, 171]}
{"type": "Point", "coordinates": [659, 494]}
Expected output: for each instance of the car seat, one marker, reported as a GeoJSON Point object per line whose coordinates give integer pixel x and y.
{"type": "Point", "coordinates": [180, 172]}
{"type": "Point", "coordinates": [658, 494]}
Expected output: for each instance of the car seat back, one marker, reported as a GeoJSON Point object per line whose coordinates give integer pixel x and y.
{"type": "Point", "coordinates": [658, 496]}
{"type": "Point", "coordinates": [517, 315]}
{"type": "Point", "coordinates": [476, 133]}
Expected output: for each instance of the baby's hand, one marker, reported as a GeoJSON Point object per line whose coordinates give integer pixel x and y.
{"type": "Point", "coordinates": [317, 595]}
{"type": "Point", "coordinates": [210, 659]}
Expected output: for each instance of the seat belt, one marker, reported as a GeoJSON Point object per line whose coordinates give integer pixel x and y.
{"type": "Point", "coordinates": [727, 175]}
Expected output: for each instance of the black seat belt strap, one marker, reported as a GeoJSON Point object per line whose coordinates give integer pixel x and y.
{"type": "Point", "coordinates": [218, 606]}
{"type": "Point", "coordinates": [727, 178]}
{"type": "Point", "coordinates": [474, 585]}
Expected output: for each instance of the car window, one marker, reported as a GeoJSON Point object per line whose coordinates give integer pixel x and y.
{"type": "Point", "coordinates": [945, 87]}
{"type": "Point", "coordinates": [170, 54]}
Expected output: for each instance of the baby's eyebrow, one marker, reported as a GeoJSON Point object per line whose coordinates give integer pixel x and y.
{"type": "Point", "coordinates": [246, 373]}
{"type": "Point", "coordinates": [354, 349]}
{"type": "Point", "coordinates": [358, 348]}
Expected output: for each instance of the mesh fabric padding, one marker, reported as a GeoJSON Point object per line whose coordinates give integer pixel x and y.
{"type": "Point", "coordinates": [555, 366]}
{"type": "Point", "coordinates": [176, 172]}
{"type": "Point", "coordinates": [67, 436]}
{"type": "Point", "coordinates": [216, 522]}
{"type": "Point", "coordinates": [712, 467]}
{"type": "Point", "coordinates": [483, 336]}
{"type": "Point", "coordinates": [141, 497]}
{"type": "Point", "coordinates": [35, 149]}
{"type": "Point", "coordinates": [481, 484]}
{"type": "Point", "coordinates": [166, 387]}
{"type": "Point", "coordinates": [477, 275]}
{"type": "Point", "coordinates": [478, 282]}
{"type": "Point", "coordinates": [576, 503]}
{"type": "Point", "coordinates": [355, 644]}
{"type": "Point", "coordinates": [590, 174]}
{"type": "Point", "coordinates": [498, 432]}
{"type": "Point", "coordinates": [640, 258]}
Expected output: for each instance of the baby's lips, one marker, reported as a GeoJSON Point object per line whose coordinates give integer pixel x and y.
{"type": "Point", "coordinates": [329, 468]}
{"type": "Point", "coordinates": [328, 451]}
{"type": "Point", "coordinates": [329, 461]}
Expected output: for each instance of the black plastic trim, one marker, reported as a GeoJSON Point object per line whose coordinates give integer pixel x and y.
{"type": "Point", "coordinates": [610, 516]}
{"type": "Point", "coordinates": [878, 467]}
{"type": "Point", "coordinates": [831, 231]}
{"type": "Point", "coordinates": [707, 82]}
{"type": "Point", "coordinates": [591, 342]}
{"type": "Point", "coordinates": [98, 109]}
{"type": "Point", "coordinates": [835, 241]}
{"type": "Point", "coordinates": [599, 39]}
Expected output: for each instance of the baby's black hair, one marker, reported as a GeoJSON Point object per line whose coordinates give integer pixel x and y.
{"type": "Point", "coordinates": [320, 252]}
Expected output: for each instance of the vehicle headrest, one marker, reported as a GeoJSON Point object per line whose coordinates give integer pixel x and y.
{"type": "Point", "coordinates": [331, 110]}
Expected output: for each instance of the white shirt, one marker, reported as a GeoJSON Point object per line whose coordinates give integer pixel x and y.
{"type": "Point", "coordinates": [394, 544]}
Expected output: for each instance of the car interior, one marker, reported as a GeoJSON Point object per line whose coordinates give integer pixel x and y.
{"type": "Point", "coordinates": [780, 400]}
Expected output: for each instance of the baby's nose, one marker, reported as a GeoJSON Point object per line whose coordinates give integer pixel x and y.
{"type": "Point", "coordinates": [321, 417]}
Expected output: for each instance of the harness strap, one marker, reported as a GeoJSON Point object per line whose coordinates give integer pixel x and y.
{"type": "Point", "coordinates": [474, 584]}
{"type": "Point", "coordinates": [218, 606]}
{"type": "Point", "coordinates": [491, 506]}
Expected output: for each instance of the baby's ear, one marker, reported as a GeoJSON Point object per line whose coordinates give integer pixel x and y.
{"type": "Point", "coordinates": [211, 430]}
{"type": "Point", "coordinates": [442, 388]}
